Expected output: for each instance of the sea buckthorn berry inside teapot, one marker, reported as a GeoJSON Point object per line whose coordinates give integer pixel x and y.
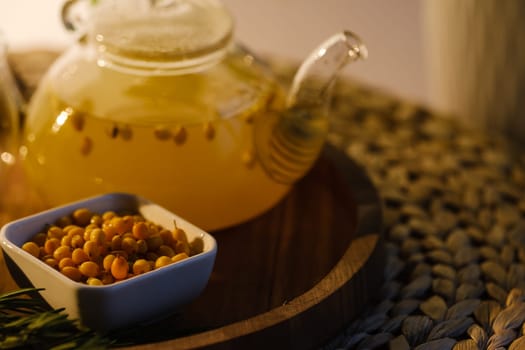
{"type": "Point", "coordinates": [157, 99]}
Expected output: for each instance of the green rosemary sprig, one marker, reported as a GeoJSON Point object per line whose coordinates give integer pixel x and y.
{"type": "Point", "coordinates": [27, 322]}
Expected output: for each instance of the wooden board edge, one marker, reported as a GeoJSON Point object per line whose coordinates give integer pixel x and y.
{"type": "Point", "coordinates": [275, 324]}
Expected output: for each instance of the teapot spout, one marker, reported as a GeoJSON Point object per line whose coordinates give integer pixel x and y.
{"type": "Point", "coordinates": [314, 79]}
{"type": "Point", "coordinates": [296, 137]}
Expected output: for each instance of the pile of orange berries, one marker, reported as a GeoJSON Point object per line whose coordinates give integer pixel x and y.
{"type": "Point", "coordinates": [100, 249]}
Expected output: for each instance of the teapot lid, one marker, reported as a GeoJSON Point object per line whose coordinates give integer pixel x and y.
{"type": "Point", "coordinates": [173, 33]}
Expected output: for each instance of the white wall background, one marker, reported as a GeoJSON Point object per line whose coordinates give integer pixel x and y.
{"type": "Point", "coordinates": [392, 30]}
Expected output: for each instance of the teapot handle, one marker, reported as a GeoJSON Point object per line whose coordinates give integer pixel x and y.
{"type": "Point", "coordinates": [74, 15]}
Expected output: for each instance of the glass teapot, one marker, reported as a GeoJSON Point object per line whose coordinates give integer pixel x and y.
{"type": "Point", "coordinates": [156, 99]}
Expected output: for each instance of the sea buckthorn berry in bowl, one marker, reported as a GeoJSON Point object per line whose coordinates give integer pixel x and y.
{"type": "Point", "coordinates": [111, 261]}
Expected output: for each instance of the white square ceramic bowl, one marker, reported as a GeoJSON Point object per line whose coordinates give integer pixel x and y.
{"type": "Point", "coordinates": [138, 299]}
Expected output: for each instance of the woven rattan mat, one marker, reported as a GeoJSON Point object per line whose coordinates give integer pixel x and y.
{"type": "Point", "coordinates": [454, 209]}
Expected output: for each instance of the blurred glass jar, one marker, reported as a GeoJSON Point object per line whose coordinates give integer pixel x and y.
{"type": "Point", "coordinates": [476, 62]}
{"type": "Point", "coordinates": [9, 130]}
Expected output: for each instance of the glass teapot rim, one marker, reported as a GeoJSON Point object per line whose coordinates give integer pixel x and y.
{"type": "Point", "coordinates": [153, 35]}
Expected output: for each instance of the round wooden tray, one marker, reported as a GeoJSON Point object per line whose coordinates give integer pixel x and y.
{"type": "Point", "coordinates": [292, 278]}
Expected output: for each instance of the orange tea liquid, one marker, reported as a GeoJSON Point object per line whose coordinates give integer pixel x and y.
{"type": "Point", "coordinates": [200, 165]}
